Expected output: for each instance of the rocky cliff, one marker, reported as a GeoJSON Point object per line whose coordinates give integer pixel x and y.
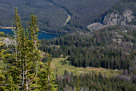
{"type": "Point", "coordinates": [114, 18]}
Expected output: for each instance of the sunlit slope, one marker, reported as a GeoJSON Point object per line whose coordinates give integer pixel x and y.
{"type": "Point", "coordinates": [60, 65]}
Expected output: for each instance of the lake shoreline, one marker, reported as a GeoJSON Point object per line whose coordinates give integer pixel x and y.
{"type": "Point", "coordinates": [6, 27]}
{"type": "Point", "coordinates": [40, 31]}
{"type": "Point", "coordinates": [42, 34]}
{"type": "Point", "coordinates": [49, 33]}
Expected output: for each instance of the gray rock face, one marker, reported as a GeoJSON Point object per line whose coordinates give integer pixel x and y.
{"type": "Point", "coordinates": [95, 26]}
{"type": "Point", "coordinates": [6, 41]}
{"type": "Point", "coordinates": [113, 19]}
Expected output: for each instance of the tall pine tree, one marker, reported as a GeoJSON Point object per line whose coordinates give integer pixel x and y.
{"type": "Point", "coordinates": [24, 71]}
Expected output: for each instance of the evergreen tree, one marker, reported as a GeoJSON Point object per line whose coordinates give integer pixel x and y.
{"type": "Point", "coordinates": [77, 84]}
{"type": "Point", "coordinates": [27, 52]}
{"type": "Point", "coordinates": [33, 29]}
{"type": "Point", "coordinates": [24, 70]}
{"type": "Point", "coordinates": [47, 81]}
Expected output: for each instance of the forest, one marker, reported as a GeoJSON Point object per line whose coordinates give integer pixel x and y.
{"type": "Point", "coordinates": [52, 14]}
{"type": "Point", "coordinates": [91, 82]}
{"type": "Point", "coordinates": [120, 7]}
{"type": "Point", "coordinates": [21, 68]}
{"type": "Point", "coordinates": [113, 47]}
{"type": "Point", "coordinates": [80, 60]}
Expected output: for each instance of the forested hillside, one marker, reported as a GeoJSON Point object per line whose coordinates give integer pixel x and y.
{"type": "Point", "coordinates": [120, 7]}
{"type": "Point", "coordinates": [78, 60]}
{"type": "Point", "coordinates": [113, 47]}
{"type": "Point", "coordinates": [52, 14]}
{"type": "Point", "coordinates": [91, 82]}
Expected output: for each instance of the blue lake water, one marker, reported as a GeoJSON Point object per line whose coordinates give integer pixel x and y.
{"type": "Point", "coordinates": [41, 35]}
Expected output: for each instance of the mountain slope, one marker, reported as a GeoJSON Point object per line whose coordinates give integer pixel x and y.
{"type": "Point", "coordinates": [112, 47]}
{"type": "Point", "coordinates": [121, 7]}
{"type": "Point", "coordinates": [52, 14]}
{"type": "Point", "coordinates": [121, 13]}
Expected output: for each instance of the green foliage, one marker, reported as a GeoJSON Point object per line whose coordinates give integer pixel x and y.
{"type": "Point", "coordinates": [47, 80]}
{"type": "Point", "coordinates": [93, 82]}
{"type": "Point", "coordinates": [77, 85]}
{"type": "Point", "coordinates": [59, 68]}
{"type": "Point", "coordinates": [52, 15]}
{"type": "Point", "coordinates": [108, 48]}
{"type": "Point", "coordinates": [22, 69]}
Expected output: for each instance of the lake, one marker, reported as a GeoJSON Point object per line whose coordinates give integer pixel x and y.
{"type": "Point", "coordinates": [41, 35]}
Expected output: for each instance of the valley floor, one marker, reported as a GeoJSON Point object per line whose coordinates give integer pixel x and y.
{"type": "Point", "coordinates": [60, 65]}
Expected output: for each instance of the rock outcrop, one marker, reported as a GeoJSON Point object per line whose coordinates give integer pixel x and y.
{"type": "Point", "coordinates": [113, 18]}
{"type": "Point", "coordinates": [6, 41]}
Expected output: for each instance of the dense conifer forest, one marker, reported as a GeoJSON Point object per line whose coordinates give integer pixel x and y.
{"type": "Point", "coordinates": [91, 82]}
{"type": "Point", "coordinates": [52, 14]}
{"type": "Point", "coordinates": [77, 60]}
{"type": "Point", "coordinates": [21, 67]}
{"type": "Point", "coordinates": [113, 47]}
